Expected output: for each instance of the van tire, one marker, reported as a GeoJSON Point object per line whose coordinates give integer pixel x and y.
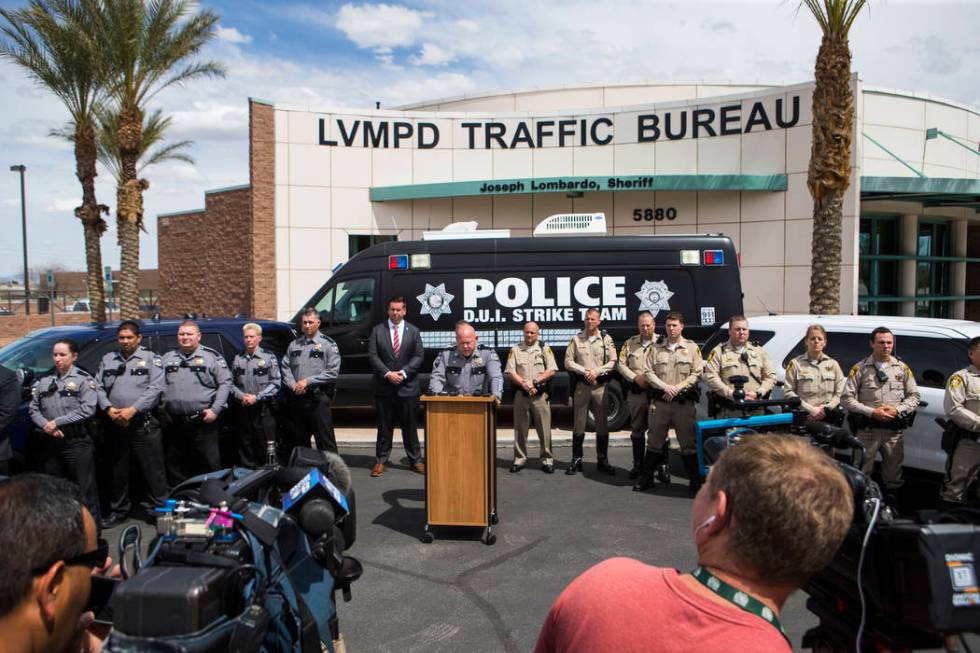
{"type": "Point", "coordinates": [617, 413]}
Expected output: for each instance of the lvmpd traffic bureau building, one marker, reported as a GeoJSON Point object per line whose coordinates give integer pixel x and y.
{"type": "Point", "coordinates": [655, 158]}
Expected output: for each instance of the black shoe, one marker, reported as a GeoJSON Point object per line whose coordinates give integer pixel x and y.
{"type": "Point", "coordinates": [574, 466]}
{"type": "Point", "coordinates": [663, 473]}
{"type": "Point", "coordinates": [516, 468]}
{"type": "Point", "coordinates": [645, 483]}
{"type": "Point", "coordinates": [603, 466]}
{"type": "Point", "coordinates": [113, 520]}
{"type": "Point", "coordinates": [636, 470]}
{"type": "Point", "coordinates": [548, 468]}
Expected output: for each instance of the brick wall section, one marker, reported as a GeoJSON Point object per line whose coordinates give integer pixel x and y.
{"type": "Point", "coordinates": [13, 327]}
{"type": "Point", "coordinates": [203, 257]}
{"type": "Point", "coordinates": [262, 167]}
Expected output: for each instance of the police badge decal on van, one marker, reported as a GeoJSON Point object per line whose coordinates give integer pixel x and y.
{"type": "Point", "coordinates": [653, 296]}
{"type": "Point", "coordinates": [435, 301]}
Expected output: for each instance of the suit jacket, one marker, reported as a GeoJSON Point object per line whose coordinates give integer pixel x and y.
{"type": "Point", "coordinates": [9, 403]}
{"type": "Point", "coordinates": [382, 359]}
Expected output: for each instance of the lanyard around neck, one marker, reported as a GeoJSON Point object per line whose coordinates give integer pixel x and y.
{"type": "Point", "coordinates": [738, 598]}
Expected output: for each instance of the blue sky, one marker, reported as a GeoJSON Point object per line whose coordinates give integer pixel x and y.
{"type": "Point", "coordinates": [343, 54]}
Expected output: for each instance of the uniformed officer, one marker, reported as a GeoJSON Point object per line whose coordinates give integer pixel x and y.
{"type": "Point", "coordinates": [195, 391]}
{"type": "Point", "coordinates": [961, 404]}
{"type": "Point", "coordinates": [738, 357]}
{"type": "Point", "coordinates": [591, 357]}
{"type": "Point", "coordinates": [309, 369]}
{"type": "Point", "coordinates": [816, 379]}
{"type": "Point", "coordinates": [62, 406]}
{"type": "Point", "coordinates": [129, 382]}
{"type": "Point", "coordinates": [530, 365]}
{"type": "Point", "coordinates": [632, 361]}
{"type": "Point", "coordinates": [468, 368]}
{"type": "Point", "coordinates": [255, 386]}
{"type": "Point", "coordinates": [673, 370]}
{"type": "Point", "coordinates": [880, 395]}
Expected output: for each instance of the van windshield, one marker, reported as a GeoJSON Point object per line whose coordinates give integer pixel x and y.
{"type": "Point", "coordinates": [33, 353]}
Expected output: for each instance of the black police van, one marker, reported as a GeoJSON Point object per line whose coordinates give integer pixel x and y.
{"type": "Point", "coordinates": [497, 284]}
{"type": "Point", "coordinates": [31, 355]}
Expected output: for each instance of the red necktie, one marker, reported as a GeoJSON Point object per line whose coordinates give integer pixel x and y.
{"type": "Point", "coordinates": [395, 342]}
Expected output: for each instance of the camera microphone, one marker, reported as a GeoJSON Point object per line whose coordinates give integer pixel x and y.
{"type": "Point", "coordinates": [831, 435]}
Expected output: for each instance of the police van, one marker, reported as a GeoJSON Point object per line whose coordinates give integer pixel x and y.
{"type": "Point", "coordinates": [497, 283]}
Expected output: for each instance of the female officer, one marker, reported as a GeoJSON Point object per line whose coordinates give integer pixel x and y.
{"type": "Point", "coordinates": [816, 379]}
{"type": "Point", "coordinates": [62, 405]}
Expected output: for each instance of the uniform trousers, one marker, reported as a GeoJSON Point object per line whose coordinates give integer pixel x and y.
{"type": "Point", "coordinates": [311, 414]}
{"type": "Point", "coordinates": [676, 414]}
{"type": "Point", "coordinates": [965, 457]}
{"type": "Point", "coordinates": [191, 448]}
{"type": "Point", "coordinates": [892, 448]}
{"type": "Point", "coordinates": [532, 410]}
{"type": "Point", "coordinates": [589, 397]}
{"type": "Point", "coordinates": [141, 439]}
{"type": "Point", "coordinates": [256, 428]}
{"type": "Point", "coordinates": [71, 457]}
{"type": "Point", "coordinates": [641, 414]}
{"type": "Point", "coordinates": [392, 409]}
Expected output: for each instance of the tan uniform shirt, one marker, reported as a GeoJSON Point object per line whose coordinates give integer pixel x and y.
{"type": "Point", "coordinates": [530, 361]}
{"type": "Point", "coordinates": [632, 358]}
{"type": "Point", "coordinates": [863, 392]}
{"type": "Point", "coordinates": [816, 384]}
{"type": "Point", "coordinates": [962, 400]}
{"type": "Point", "coordinates": [584, 353]}
{"type": "Point", "coordinates": [724, 362]}
{"type": "Point", "coordinates": [681, 367]}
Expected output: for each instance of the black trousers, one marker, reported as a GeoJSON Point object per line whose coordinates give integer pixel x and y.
{"type": "Point", "coordinates": [143, 441]}
{"type": "Point", "coordinates": [191, 448]}
{"type": "Point", "coordinates": [71, 457]}
{"type": "Point", "coordinates": [311, 414]}
{"type": "Point", "coordinates": [390, 408]}
{"type": "Point", "coordinates": [256, 428]}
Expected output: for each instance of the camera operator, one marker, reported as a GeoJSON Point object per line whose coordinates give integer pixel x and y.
{"type": "Point", "coordinates": [746, 523]}
{"type": "Point", "coordinates": [880, 395]}
{"type": "Point", "coordinates": [816, 379]}
{"type": "Point", "coordinates": [737, 357]}
{"type": "Point", "coordinates": [962, 405]}
{"type": "Point", "coordinates": [44, 587]}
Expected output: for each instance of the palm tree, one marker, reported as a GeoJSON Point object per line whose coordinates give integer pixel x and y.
{"type": "Point", "coordinates": [145, 47]}
{"type": "Point", "coordinates": [42, 38]}
{"type": "Point", "coordinates": [154, 128]}
{"type": "Point", "coordinates": [830, 154]}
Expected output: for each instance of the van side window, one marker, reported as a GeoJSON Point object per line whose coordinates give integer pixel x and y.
{"type": "Point", "coordinates": [349, 302]}
{"type": "Point", "coordinates": [845, 348]}
{"type": "Point", "coordinates": [932, 359]}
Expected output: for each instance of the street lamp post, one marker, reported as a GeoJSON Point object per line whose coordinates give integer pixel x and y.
{"type": "Point", "coordinates": [23, 221]}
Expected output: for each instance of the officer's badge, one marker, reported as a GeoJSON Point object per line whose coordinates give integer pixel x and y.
{"type": "Point", "coordinates": [317, 347]}
{"type": "Point", "coordinates": [199, 361]}
{"type": "Point", "coordinates": [71, 385]}
{"type": "Point", "coordinates": [477, 361]}
{"type": "Point", "coordinates": [261, 362]}
{"type": "Point", "coordinates": [142, 363]}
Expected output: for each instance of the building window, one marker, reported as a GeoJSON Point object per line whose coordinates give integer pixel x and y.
{"type": "Point", "coordinates": [932, 276]}
{"type": "Point", "coordinates": [877, 277]}
{"type": "Point", "coordinates": [359, 243]}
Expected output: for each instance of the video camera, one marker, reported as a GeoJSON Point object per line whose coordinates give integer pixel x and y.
{"type": "Point", "coordinates": [896, 584]}
{"type": "Point", "coordinates": [242, 561]}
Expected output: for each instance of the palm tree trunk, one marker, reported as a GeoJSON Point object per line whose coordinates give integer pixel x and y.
{"type": "Point", "coordinates": [830, 169]}
{"type": "Point", "coordinates": [90, 213]}
{"type": "Point", "coordinates": [129, 210]}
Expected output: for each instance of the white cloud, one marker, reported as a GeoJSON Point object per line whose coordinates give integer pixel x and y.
{"type": "Point", "coordinates": [62, 205]}
{"type": "Point", "coordinates": [380, 25]}
{"type": "Point", "coordinates": [432, 55]}
{"type": "Point", "coordinates": [232, 35]}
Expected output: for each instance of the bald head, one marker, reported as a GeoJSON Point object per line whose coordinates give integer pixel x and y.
{"type": "Point", "coordinates": [531, 333]}
{"type": "Point", "coordinates": [465, 339]}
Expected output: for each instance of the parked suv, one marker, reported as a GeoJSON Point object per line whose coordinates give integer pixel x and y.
{"type": "Point", "coordinates": [32, 353]}
{"type": "Point", "coordinates": [932, 348]}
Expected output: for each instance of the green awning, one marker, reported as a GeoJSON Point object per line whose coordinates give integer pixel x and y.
{"type": "Point", "coordinates": [928, 191]}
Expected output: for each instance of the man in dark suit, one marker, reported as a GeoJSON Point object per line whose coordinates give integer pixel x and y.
{"type": "Point", "coordinates": [9, 403]}
{"type": "Point", "coordinates": [395, 355]}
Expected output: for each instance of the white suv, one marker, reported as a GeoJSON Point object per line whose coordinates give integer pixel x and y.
{"type": "Point", "coordinates": [932, 348]}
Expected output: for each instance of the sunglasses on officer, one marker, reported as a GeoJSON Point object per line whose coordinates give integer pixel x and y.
{"type": "Point", "coordinates": [94, 559]}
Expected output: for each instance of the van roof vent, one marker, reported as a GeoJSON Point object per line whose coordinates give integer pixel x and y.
{"type": "Point", "coordinates": [572, 224]}
{"type": "Point", "coordinates": [464, 231]}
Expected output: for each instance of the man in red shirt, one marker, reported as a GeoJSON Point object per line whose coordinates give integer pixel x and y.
{"type": "Point", "coordinates": [773, 512]}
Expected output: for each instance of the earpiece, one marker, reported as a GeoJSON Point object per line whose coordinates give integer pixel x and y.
{"type": "Point", "coordinates": [707, 522]}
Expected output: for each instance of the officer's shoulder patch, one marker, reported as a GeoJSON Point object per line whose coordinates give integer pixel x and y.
{"type": "Point", "coordinates": [854, 370]}
{"type": "Point", "coordinates": [330, 341]}
{"type": "Point", "coordinates": [91, 384]}
{"type": "Point", "coordinates": [955, 381]}
{"type": "Point", "coordinates": [547, 349]}
{"type": "Point", "coordinates": [790, 365]}
{"type": "Point", "coordinates": [493, 355]}
{"type": "Point", "coordinates": [222, 362]}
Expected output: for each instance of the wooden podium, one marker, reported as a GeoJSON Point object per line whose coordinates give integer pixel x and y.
{"type": "Point", "coordinates": [460, 475]}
